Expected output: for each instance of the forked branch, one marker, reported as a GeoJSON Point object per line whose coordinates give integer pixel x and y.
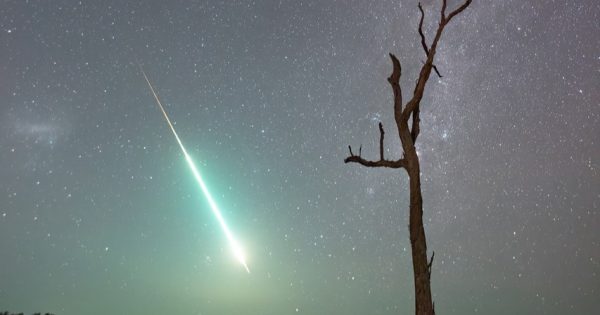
{"type": "Point", "coordinates": [412, 105]}
{"type": "Point", "coordinates": [402, 113]}
{"type": "Point", "coordinates": [381, 163]}
{"type": "Point", "coordinates": [401, 163]}
{"type": "Point", "coordinates": [423, 42]}
{"type": "Point", "coordinates": [445, 19]}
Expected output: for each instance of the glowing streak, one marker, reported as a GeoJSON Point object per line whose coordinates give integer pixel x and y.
{"type": "Point", "coordinates": [235, 246]}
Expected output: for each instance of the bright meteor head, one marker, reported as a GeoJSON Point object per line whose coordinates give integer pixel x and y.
{"type": "Point", "coordinates": [239, 254]}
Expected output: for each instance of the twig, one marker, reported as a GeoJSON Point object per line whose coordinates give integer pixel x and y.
{"type": "Point", "coordinates": [382, 133]}
{"type": "Point", "coordinates": [430, 263]}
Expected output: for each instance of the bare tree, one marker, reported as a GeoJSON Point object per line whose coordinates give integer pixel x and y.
{"type": "Point", "coordinates": [410, 160]}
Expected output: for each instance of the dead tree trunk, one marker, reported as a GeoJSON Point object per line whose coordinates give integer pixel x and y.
{"type": "Point", "coordinates": [410, 160]}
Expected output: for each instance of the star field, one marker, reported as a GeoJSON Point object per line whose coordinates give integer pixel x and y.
{"type": "Point", "coordinates": [99, 213]}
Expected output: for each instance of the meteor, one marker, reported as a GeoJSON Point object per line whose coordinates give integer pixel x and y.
{"type": "Point", "coordinates": [235, 246]}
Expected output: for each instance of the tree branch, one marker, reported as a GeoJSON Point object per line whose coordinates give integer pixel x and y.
{"type": "Point", "coordinates": [443, 10]}
{"type": "Point", "coordinates": [381, 163]}
{"type": "Point", "coordinates": [423, 42]}
{"type": "Point", "coordinates": [394, 80]}
{"type": "Point", "coordinates": [429, 274]}
{"type": "Point", "coordinates": [401, 163]}
{"type": "Point", "coordinates": [381, 133]}
{"type": "Point", "coordinates": [413, 104]}
{"type": "Point", "coordinates": [436, 71]}
{"type": "Point", "coordinates": [455, 12]}
{"type": "Point", "coordinates": [430, 263]}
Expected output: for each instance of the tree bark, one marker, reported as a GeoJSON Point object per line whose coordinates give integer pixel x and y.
{"type": "Point", "coordinates": [410, 161]}
{"type": "Point", "coordinates": [418, 243]}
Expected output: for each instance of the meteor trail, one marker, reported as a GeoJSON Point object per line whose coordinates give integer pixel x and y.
{"type": "Point", "coordinates": [235, 246]}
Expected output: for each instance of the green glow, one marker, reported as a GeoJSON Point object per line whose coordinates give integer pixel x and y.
{"type": "Point", "coordinates": [237, 249]}
{"type": "Point", "coordinates": [235, 246]}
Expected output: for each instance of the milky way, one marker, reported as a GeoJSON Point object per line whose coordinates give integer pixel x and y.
{"type": "Point", "coordinates": [99, 213]}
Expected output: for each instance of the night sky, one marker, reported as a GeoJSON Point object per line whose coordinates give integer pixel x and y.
{"type": "Point", "coordinates": [100, 214]}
